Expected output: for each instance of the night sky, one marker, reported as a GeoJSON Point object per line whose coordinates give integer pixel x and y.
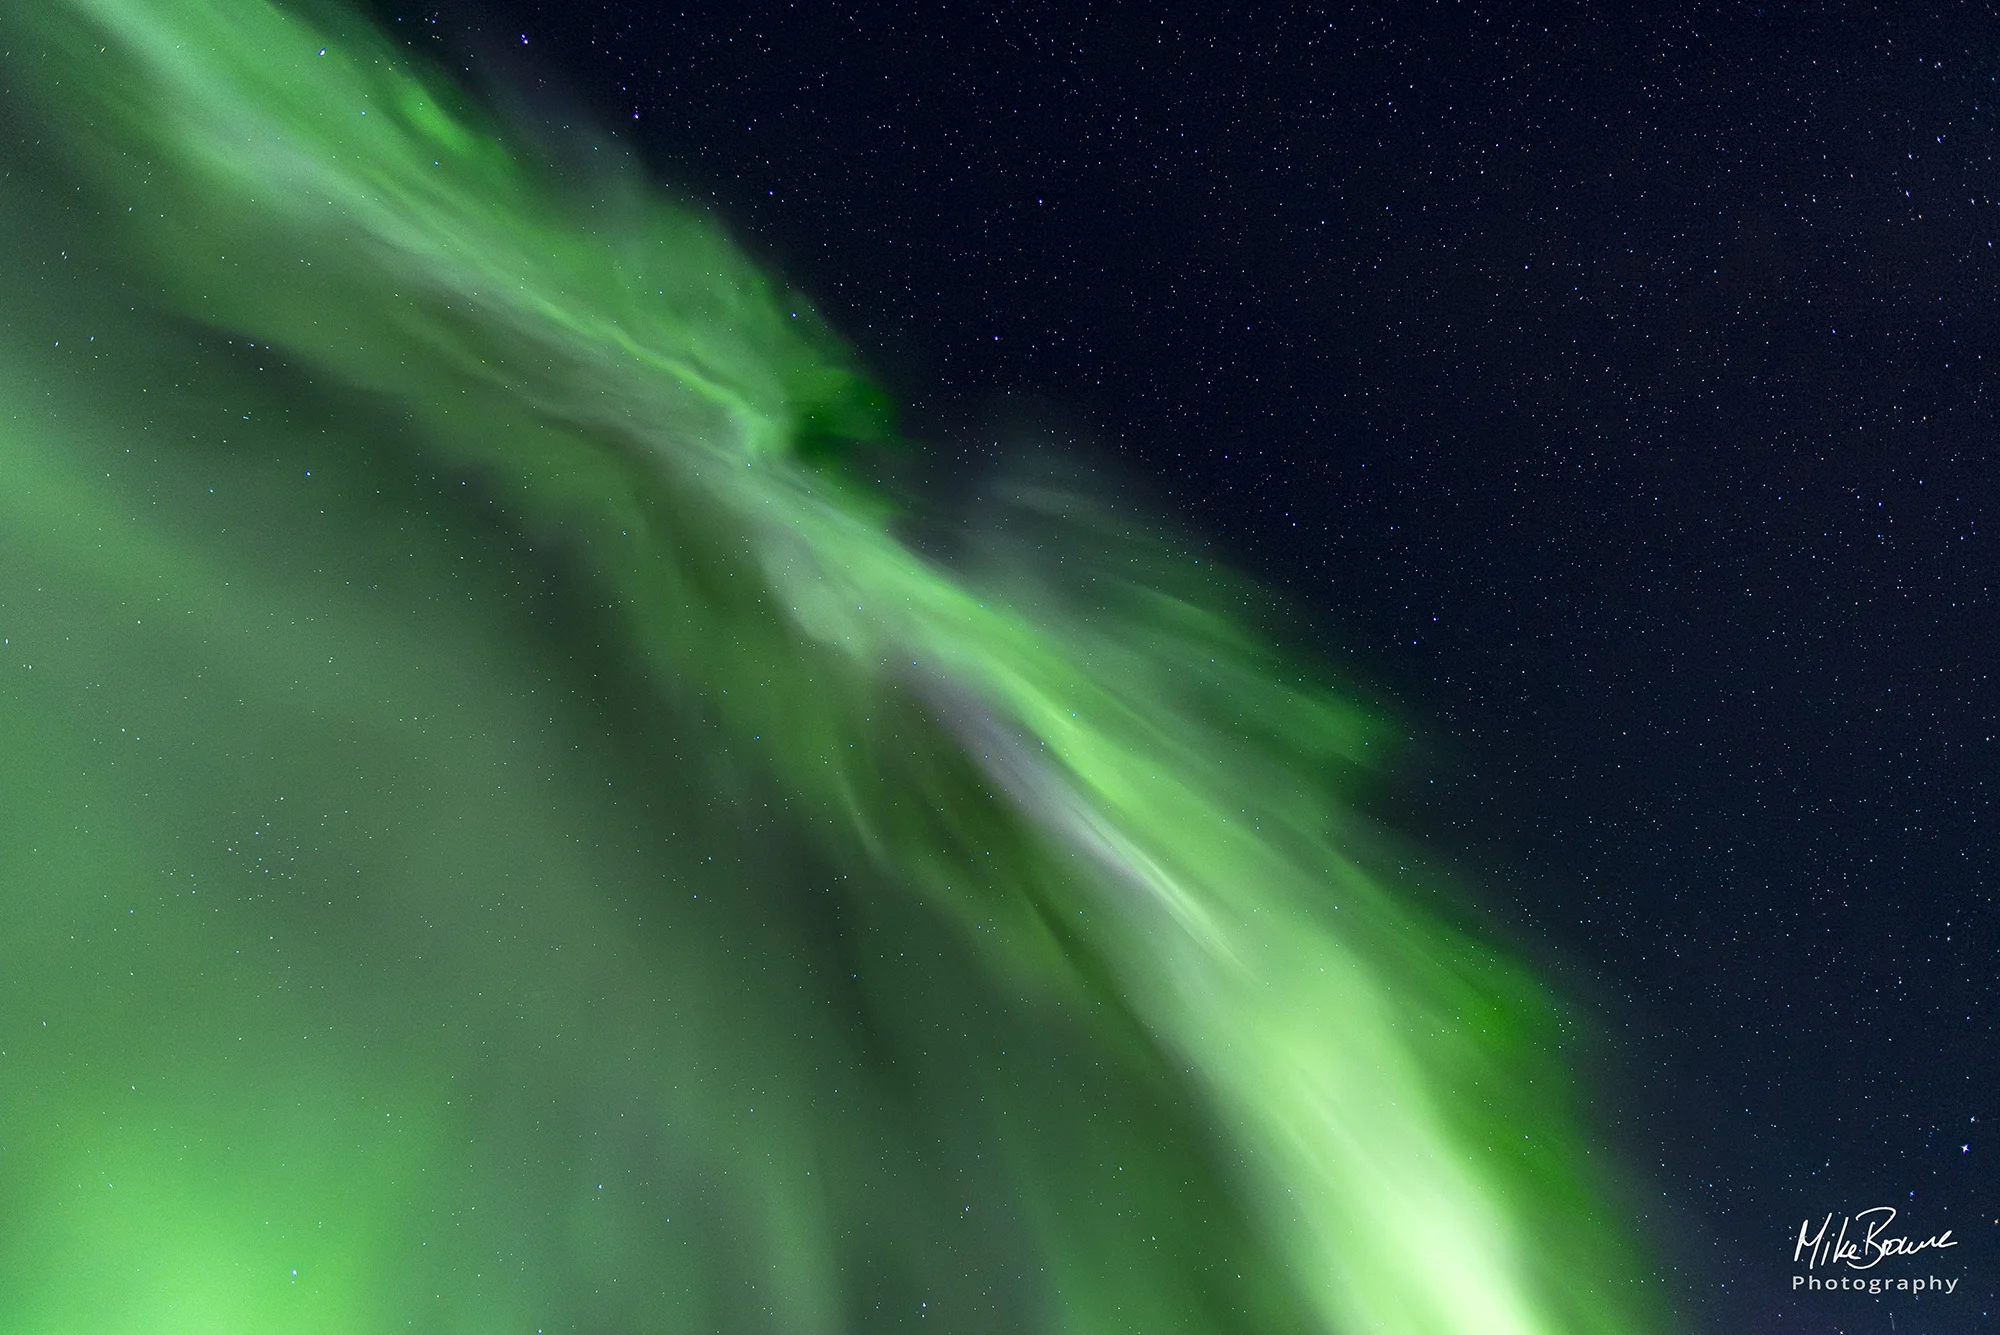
{"type": "Point", "coordinates": [1617, 393]}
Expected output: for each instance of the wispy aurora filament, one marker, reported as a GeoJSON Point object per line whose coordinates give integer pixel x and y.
{"type": "Point", "coordinates": [892, 943]}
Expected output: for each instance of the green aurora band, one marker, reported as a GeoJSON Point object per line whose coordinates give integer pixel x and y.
{"type": "Point", "coordinates": [501, 833]}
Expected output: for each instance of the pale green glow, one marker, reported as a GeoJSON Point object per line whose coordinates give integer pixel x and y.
{"type": "Point", "coordinates": [503, 836]}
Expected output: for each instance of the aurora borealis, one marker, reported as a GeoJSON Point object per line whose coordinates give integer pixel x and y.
{"type": "Point", "coordinates": [505, 834]}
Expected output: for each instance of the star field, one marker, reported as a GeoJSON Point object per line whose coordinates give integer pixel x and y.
{"type": "Point", "coordinates": [1618, 390]}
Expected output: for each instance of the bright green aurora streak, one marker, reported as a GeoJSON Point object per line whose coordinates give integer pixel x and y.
{"type": "Point", "coordinates": [500, 834]}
